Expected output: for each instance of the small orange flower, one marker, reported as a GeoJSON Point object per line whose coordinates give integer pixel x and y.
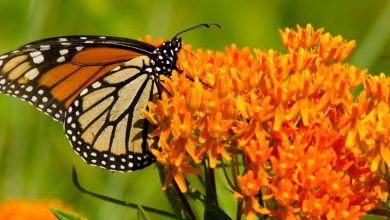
{"type": "Point", "coordinates": [334, 48]}
{"type": "Point", "coordinates": [285, 192]}
{"type": "Point", "coordinates": [211, 138]}
{"type": "Point", "coordinates": [22, 209]}
{"type": "Point", "coordinates": [163, 114]}
{"type": "Point", "coordinates": [314, 206]}
{"type": "Point", "coordinates": [344, 210]}
{"type": "Point", "coordinates": [249, 189]}
{"type": "Point", "coordinates": [173, 163]}
{"type": "Point", "coordinates": [305, 38]}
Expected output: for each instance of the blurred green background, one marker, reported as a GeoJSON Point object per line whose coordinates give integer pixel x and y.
{"type": "Point", "coordinates": [35, 157]}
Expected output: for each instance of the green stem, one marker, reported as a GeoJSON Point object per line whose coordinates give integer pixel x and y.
{"type": "Point", "coordinates": [116, 201]}
{"type": "Point", "coordinates": [238, 212]}
{"type": "Point", "coordinates": [184, 201]}
{"type": "Point", "coordinates": [212, 182]}
{"type": "Point", "coordinates": [234, 170]}
{"type": "Point", "coordinates": [379, 212]}
{"type": "Point", "coordinates": [229, 181]}
{"type": "Point", "coordinates": [176, 198]}
{"type": "Point", "coordinates": [210, 189]}
{"type": "Point", "coordinates": [213, 208]}
{"type": "Point", "coordinates": [235, 173]}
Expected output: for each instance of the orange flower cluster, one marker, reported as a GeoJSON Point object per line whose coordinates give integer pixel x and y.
{"type": "Point", "coordinates": [22, 209]}
{"type": "Point", "coordinates": [311, 149]}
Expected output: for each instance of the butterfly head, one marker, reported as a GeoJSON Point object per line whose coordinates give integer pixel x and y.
{"type": "Point", "coordinates": [166, 56]}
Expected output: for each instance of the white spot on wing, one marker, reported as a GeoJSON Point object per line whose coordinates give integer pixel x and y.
{"type": "Point", "coordinates": [35, 54]}
{"type": "Point", "coordinates": [29, 89]}
{"type": "Point", "coordinates": [96, 85]}
{"type": "Point", "coordinates": [39, 59]}
{"type": "Point", "coordinates": [45, 47]}
{"type": "Point", "coordinates": [64, 51]}
{"type": "Point", "coordinates": [116, 68]}
{"type": "Point", "coordinates": [60, 59]}
{"type": "Point", "coordinates": [31, 74]}
{"type": "Point", "coordinates": [85, 91]}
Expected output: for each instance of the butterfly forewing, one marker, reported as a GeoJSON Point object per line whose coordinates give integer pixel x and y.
{"type": "Point", "coordinates": [50, 73]}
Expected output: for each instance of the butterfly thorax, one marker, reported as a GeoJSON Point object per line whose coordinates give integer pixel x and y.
{"type": "Point", "coordinates": [165, 56]}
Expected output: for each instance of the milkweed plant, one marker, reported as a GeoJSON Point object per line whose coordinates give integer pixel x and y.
{"type": "Point", "coordinates": [296, 134]}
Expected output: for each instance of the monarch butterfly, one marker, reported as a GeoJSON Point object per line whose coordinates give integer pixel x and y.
{"type": "Point", "coordinates": [94, 86]}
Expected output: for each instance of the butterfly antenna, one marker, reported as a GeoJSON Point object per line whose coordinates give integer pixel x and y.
{"type": "Point", "coordinates": [196, 27]}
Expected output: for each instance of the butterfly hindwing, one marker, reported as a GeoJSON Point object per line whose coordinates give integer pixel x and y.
{"type": "Point", "coordinates": [104, 123]}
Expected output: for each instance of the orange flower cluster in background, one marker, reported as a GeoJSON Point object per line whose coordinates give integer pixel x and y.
{"type": "Point", "coordinates": [311, 148]}
{"type": "Point", "coordinates": [30, 210]}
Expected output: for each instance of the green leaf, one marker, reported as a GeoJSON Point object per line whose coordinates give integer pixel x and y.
{"type": "Point", "coordinates": [142, 214]}
{"type": "Point", "coordinates": [375, 40]}
{"type": "Point", "coordinates": [62, 215]}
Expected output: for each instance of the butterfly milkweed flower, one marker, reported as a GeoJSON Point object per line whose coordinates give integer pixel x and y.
{"type": "Point", "coordinates": [298, 142]}
{"type": "Point", "coordinates": [16, 209]}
